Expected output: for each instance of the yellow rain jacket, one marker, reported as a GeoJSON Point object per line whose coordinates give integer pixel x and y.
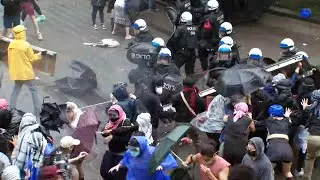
{"type": "Point", "coordinates": [21, 56]}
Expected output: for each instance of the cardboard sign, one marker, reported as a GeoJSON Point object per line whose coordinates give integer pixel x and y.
{"type": "Point", "coordinates": [46, 65]}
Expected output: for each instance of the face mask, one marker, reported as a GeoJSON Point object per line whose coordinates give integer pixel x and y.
{"type": "Point", "coordinates": [159, 90]}
{"type": "Point", "coordinates": [134, 153]}
{"type": "Point", "coordinates": [251, 153]}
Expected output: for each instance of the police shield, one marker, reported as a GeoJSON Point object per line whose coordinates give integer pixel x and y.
{"type": "Point", "coordinates": [142, 53]}
{"type": "Point", "coordinates": [172, 85]}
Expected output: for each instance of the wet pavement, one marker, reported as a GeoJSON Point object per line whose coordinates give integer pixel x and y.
{"type": "Point", "coordinates": [68, 26]}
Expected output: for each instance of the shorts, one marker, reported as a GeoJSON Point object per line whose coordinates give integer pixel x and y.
{"type": "Point", "coordinates": [28, 8]}
{"type": "Point", "coordinates": [11, 21]}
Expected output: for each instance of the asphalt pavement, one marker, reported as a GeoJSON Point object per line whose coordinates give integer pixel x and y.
{"type": "Point", "coordinates": [68, 26]}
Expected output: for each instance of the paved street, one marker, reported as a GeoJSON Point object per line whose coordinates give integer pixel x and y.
{"type": "Point", "coordinates": [68, 26]}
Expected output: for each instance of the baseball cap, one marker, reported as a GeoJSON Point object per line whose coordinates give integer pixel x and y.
{"type": "Point", "coordinates": [3, 104]}
{"type": "Point", "coordinates": [68, 141]}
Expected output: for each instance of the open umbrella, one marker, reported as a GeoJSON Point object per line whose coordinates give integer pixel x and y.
{"type": "Point", "coordinates": [83, 82]}
{"type": "Point", "coordinates": [241, 79]}
{"type": "Point", "coordinates": [86, 130]}
{"type": "Point", "coordinates": [163, 149]}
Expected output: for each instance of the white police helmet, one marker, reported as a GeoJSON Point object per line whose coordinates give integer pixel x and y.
{"type": "Point", "coordinates": [140, 24]}
{"type": "Point", "coordinates": [186, 17]}
{"type": "Point", "coordinates": [158, 42]}
{"type": "Point", "coordinates": [255, 53]}
{"type": "Point", "coordinates": [287, 44]}
{"type": "Point", "coordinates": [165, 52]}
{"type": "Point", "coordinates": [304, 55]}
{"type": "Point", "coordinates": [227, 40]}
{"type": "Point", "coordinates": [225, 29]}
{"type": "Point", "coordinates": [224, 48]}
{"type": "Point", "coordinates": [212, 5]}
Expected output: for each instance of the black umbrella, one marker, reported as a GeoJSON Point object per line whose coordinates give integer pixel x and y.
{"type": "Point", "coordinates": [241, 79]}
{"type": "Point", "coordinates": [80, 84]}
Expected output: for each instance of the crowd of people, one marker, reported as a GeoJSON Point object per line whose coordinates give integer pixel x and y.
{"type": "Point", "coordinates": [248, 135]}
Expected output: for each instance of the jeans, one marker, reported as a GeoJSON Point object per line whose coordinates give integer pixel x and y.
{"type": "Point", "coordinates": [95, 10]}
{"type": "Point", "coordinates": [36, 8]}
{"type": "Point", "coordinates": [16, 91]}
{"type": "Point", "coordinates": [313, 149]}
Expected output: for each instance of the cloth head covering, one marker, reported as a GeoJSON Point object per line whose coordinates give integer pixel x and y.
{"type": "Point", "coordinates": [276, 110]}
{"type": "Point", "coordinates": [19, 32]}
{"type": "Point", "coordinates": [145, 126]}
{"type": "Point", "coordinates": [278, 78]}
{"type": "Point", "coordinates": [120, 93]}
{"type": "Point", "coordinates": [241, 109]}
{"type": "Point", "coordinates": [122, 117]}
{"type": "Point", "coordinates": [315, 106]}
{"type": "Point", "coordinates": [306, 87]}
{"type": "Point", "coordinates": [11, 173]}
{"type": "Point", "coordinates": [77, 112]}
{"type": "Point", "coordinates": [3, 104]}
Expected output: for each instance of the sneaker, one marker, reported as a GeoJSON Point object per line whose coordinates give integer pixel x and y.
{"type": "Point", "coordinates": [298, 173]}
{"type": "Point", "coordinates": [40, 36]}
{"type": "Point", "coordinates": [94, 27]}
{"type": "Point", "coordinates": [103, 26]}
{"type": "Point", "coordinates": [41, 18]}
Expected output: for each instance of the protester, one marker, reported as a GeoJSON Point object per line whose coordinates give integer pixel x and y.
{"type": "Point", "coordinates": [10, 173]}
{"type": "Point", "coordinates": [116, 143]}
{"type": "Point", "coordinates": [188, 104]}
{"type": "Point", "coordinates": [313, 125]}
{"type": "Point", "coordinates": [27, 6]}
{"type": "Point", "coordinates": [98, 5]}
{"type": "Point", "coordinates": [36, 7]}
{"type": "Point", "coordinates": [214, 125]}
{"type": "Point", "coordinates": [20, 59]}
{"type": "Point", "coordinates": [279, 149]}
{"type": "Point", "coordinates": [11, 15]}
{"type": "Point", "coordinates": [64, 159]}
{"type": "Point", "coordinates": [78, 118]}
{"type": "Point", "coordinates": [212, 166]}
{"type": "Point", "coordinates": [125, 102]}
{"type": "Point", "coordinates": [257, 160]}
{"type": "Point", "coordinates": [30, 145]}
{"type": "Point", "coordinates": [236, 133]}
{"type": "Point", "coordinates": [150, 99]}
{"type": "Point", "coordinates": [241, 172]}
{"type": "Point", "coordinates": [136, 160]}
{"type": "Point", "coordinates": [50, 173]}
{"type": "Point", "coordinates": [120, 17]}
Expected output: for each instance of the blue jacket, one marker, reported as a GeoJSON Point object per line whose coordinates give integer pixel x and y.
{"type": "Point", "coordinates": [138, 166]}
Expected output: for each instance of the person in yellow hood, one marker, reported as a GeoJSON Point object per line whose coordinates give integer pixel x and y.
{"type": "Point", "coordinates": [20, 59]}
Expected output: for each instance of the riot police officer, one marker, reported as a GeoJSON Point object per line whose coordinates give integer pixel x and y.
{"type": "Point", "coordinates": [256, 58]}
{"type": "Point", "coordinates": [235, 52]}
{"type": "Point", "coordinates": [288, 49]}
{"type": "Point", "coordinates": [164, 65]}
{"type": "Point", "coordinates": [186, 41]}
{"type": "Point", "coordinates": [224, 57]}
{"type": "Point", "coordinates": [209, 31]}
{"type": "Point", "coordinates": [141, 32]}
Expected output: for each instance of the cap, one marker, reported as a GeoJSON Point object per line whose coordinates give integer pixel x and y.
{"type": "Point", "coordinates": [68, 141]}
{"type": "Point", "coordinates": [3, 104]}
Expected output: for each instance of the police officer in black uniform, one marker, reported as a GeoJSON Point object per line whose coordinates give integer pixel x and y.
{"type": "Point", "coordinates": [187, 43]}
{"type": "Point", "coordinates": [209, 31]}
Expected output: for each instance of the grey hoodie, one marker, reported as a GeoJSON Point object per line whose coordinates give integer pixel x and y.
{"type": "Point", "coordinates": [261, 166]}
